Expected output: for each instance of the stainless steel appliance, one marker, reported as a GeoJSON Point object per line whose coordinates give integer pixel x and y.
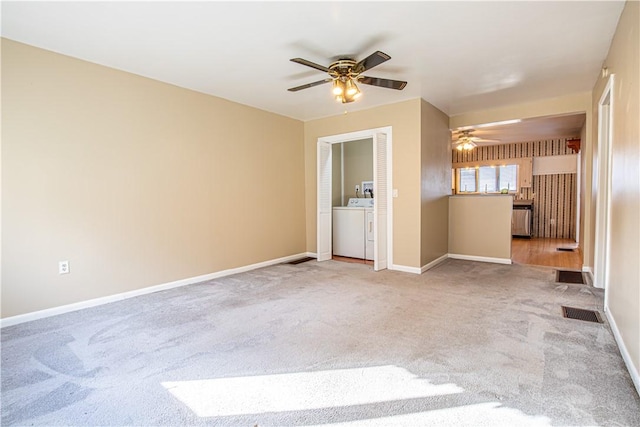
{"type": "Point", "coordinates": [522, 218]}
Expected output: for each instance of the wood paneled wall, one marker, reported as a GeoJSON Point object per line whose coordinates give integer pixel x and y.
{"type": "Point", "coordinates": [550, 147]}
{"type": "Point", "coordinates": [554, 196]}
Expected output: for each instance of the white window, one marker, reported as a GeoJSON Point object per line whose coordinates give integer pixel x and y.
{"type": "Point", "coordinates": [487, 179]}
{"type": "Point", "coordinates": [467, 181]}
{"type": "Point", "coordinates": [508, 177]}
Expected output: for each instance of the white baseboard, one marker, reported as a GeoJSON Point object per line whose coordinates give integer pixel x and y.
{"type": "Point", "coordinates": [590, 279]}
{"type": "Point", "coordinates": [433, 263]}
{"type": "Point", "coordinates": [416, 270]}
{"type": "Point", "coordinates": [481, 258]}
{"type": "Point", "coordinates": [27, 317]}
{"type": "Point", "coordinates": [633, 370]}
{"type": "Point", "coordinates": [405, 269]}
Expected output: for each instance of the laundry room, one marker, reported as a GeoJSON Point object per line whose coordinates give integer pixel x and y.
{"type": "Point", "coordinates": [353, 200]}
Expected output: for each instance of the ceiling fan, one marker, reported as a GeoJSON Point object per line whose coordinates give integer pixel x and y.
{"type": "Point", "coordinates": [466, 141]}
{"type": "Point", "coordinates": [346, 72]}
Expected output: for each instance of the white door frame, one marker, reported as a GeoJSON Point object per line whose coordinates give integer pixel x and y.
{"type": "Point", "coordinates": [578, 195]}
{"type": "Point", "coordinates": [324, 199]}
{"type": "Point", "coordinates": [324, 227]}
{"type": "Point", "coordinates": [603, 190]}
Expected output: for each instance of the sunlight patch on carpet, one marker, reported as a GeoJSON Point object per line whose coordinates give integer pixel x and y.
{"type": "Point", "coordinates": [303, 391]}
{"type": "Point", "coordinates": [490, 414]}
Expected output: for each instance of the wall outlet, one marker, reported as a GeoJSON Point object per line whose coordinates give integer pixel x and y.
{"type": "Point", "coordinates": [63, 267]}
{"type": "Point", "coordinates": [357, 188]}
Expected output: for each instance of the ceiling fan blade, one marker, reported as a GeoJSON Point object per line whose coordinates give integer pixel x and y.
{"type": "Point", "coordinates": [308, 85]}
{"type": "Point", "coordinates": [389, 84]}
{"type": "Point", "coordinates": [371, 61]}
{"type": "Point", "coordinates": [311, 64]}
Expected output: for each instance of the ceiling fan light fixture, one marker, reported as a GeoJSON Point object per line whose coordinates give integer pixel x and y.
{"type": "Point", "coordinates": [349, 92]}
{"type": "Point", "coordinates": [346, 72]}
{"type": "Point", "coordinates": [338, 87]}
{"type": "Point", "coordinates": [466, 146]}
{"type": "Point", "coordinates": [344, 98]}
{"type": "Point", "coordinates": [351, 87]}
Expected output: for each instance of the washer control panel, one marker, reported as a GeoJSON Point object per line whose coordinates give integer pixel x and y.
{"type": "Point", "coordinates": [355, 202]}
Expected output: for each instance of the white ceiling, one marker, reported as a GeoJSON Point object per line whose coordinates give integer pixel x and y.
{"type": "Point", "coordinates": [459, 56]}
{"type": "Point", "coordinates": [531, 129]}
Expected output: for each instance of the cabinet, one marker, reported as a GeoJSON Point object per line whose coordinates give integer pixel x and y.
{"type": "Point", "coordinates": [525, 172]}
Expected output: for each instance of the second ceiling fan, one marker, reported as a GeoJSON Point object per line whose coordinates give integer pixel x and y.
{"type": "Point", "coordinates": [466, 141]}
{"type": "Point", "coordinates": [346, 72]}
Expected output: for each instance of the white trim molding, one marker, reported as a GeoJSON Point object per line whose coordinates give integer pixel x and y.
{"type": "Point", "coordinates": [633, 371]}
{"type": "Point", "coordinates": [405, 269]}
{"type": "Point", "coordinates": [589, 272]}
{"type": "Point", "coordinates": [54, 311]}
{"type": "Point", "coordinates": [434, 263]}
{"type": "Point", "coordinates": [587, 269]}
{"type": "Point", "coordinates": [481, 258]}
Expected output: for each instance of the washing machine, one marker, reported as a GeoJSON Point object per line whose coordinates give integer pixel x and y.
{"type": "Point", "coordinates": [353, 229]}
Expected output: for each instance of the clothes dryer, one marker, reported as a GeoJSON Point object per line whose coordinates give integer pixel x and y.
{"type": "Point", "coordinates": [353, 229]}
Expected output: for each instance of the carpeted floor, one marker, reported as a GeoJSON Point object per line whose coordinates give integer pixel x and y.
{"type": "Point", "coordinates": [326, 343]}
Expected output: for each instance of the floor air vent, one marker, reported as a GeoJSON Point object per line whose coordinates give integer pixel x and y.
{"type": "Point", "coordinates": [581, 314]}
{"type": "Point", "coordinates": [300, 261]}
{"type": "Point", "coordinates": [565, 276]}
{"type": "Point", "coordinates": [565, 249]}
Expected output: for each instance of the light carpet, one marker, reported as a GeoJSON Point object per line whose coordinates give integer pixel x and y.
{"type": "Point", "coordinates": [328, 343]}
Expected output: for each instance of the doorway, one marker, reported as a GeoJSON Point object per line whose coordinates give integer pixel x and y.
{"type": "Point", "coordinates": [382, 225]}
{"type": "Point", "coordinates": [352, 201]}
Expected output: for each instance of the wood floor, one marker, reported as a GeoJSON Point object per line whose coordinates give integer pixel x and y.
{"type": "Point", "coordinates": [353, 260]}
{"type": "Point", "coordinates": [534, 251]}
{"type": "Point", "coordinates": [544, 251]}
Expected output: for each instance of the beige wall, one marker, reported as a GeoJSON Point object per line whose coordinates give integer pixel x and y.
{"type": "Point", "coordinates": [135, 182]}
{"type": "Point", "coordinates": [624, 288]}
{"type": "Point", "coordinates": [404, 117]}
{"type": "Point", "coordinates": [358, 166]}
{"type": "Point", "coordinates": [435, 185]}
{"type": "Point", "coordinates": [480, 226]}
